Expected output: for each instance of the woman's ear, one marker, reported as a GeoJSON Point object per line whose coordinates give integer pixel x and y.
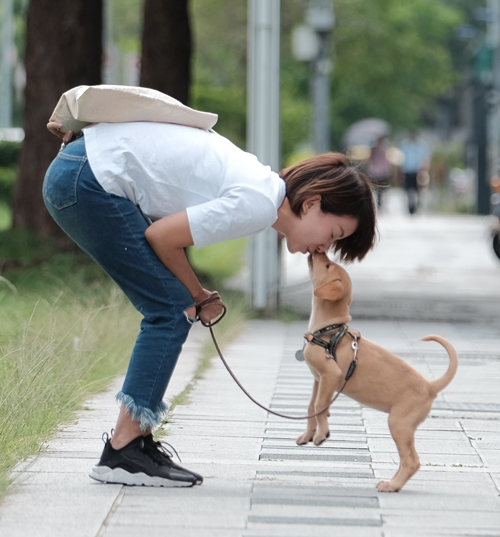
{"type": "Point", "coordinates": [310, 203]}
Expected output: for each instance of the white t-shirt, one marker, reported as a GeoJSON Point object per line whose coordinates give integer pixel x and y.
{"type": "Point", "coordinates": [165, 168]}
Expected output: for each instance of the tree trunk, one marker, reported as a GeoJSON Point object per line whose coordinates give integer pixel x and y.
{"type": "Point", "coordinates": [63, 50]}
{"type": "Point", "coordinates": [166, 48]}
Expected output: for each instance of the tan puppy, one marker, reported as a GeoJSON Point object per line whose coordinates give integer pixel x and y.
{"type": "Point", "coordinates": [381, 379]}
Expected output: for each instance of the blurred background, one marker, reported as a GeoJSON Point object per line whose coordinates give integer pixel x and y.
{"type": "Point", "coordinates": [409, 89]}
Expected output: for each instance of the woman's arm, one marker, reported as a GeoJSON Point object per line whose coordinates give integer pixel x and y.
{"type": "Point", "coordinates": [168, 237]}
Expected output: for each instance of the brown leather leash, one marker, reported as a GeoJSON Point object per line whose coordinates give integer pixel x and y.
{"type": "Point", "coordinates": [215, 299]}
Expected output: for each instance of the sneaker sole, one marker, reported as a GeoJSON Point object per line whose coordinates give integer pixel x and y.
{"type": "Point", "coordinates": [120, 476]}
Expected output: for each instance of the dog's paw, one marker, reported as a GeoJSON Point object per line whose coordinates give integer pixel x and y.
{"type": "Point", "coordinates": [387, 486]}
{"type": "Point", "coordinates": [305, 438]}
{"type": "Point", "coordinates": [319, 438]}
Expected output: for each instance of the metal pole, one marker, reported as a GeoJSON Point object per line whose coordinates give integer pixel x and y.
{"type": "Point", "coordinates": [6, 63]}
{"type": "Point", "coordinates": [321, 18]}
{"type": "Point", "coordinates": [321, 92]}
{"type": "Point", "coordinates": [494, 104]}
{"type": "Point", "coordinates": [481, 143]}
{"type": "Point", "coordinates": [263, 136]}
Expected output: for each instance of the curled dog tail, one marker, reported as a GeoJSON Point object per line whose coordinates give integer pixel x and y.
{"type": "Point", "coordinates": [440, 384]}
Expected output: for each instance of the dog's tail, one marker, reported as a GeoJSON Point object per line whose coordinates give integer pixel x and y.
{"type": "Point", "coordinates": [441, 383]}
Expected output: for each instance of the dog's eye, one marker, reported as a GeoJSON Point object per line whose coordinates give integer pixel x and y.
{"type": "Point", "coordinates": [327, 266]}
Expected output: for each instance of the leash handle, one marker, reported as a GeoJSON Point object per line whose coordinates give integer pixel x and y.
{"type": "Point", "coordinates": [214, 298]}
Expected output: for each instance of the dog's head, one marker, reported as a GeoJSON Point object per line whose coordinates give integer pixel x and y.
{"type": "Point", "coordinates": [330, 281]}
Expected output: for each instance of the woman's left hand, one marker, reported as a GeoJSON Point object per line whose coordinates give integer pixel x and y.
{"type": "Point", "coordinates": [55, 128]}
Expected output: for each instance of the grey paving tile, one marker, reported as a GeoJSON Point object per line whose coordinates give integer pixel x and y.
{"type": "Point", "coordinates": [219, 519]}
{"type": "Point", "coordinates": [415, 486]}
{"type": "Point", "coordinates": [433, 501]}
{"type": "Point", "coordinates": [317, 474]}
{"type": "Point", "coordinates": [301, 492]}
{"type": "Point", "coordinates": [460, 520]}
{"type": "Point", "coordinates": [347, 457]}
{"type": "Point", "coordinates": [440, 459]}
{"type": "Point", "coordinates": [425, 446]}
{"type": "Point", "coordinates": [315, 521]}
{"type": "Point", "coordinates": [439, 532]}
{"type": "Point", "coordinates": [135, 527]}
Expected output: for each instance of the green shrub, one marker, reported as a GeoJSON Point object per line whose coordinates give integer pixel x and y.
{"type": "Point", "coordinates": [9, 153]}
{"type": "Point", "coordinates": [229, 104]}
{"type": "Point", "coordinates": [8, 176]}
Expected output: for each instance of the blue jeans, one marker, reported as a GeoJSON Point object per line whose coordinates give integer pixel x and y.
{"type": "Point", "coordinates": [110, 229]}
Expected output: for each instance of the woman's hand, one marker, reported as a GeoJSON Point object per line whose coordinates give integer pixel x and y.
{"type": "Point", "coordinates": [209, 312]}
{"type": "Point", "coordinates": [55, 128]}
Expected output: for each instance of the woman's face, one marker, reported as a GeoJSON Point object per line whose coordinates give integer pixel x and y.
{"type": "Point", "coordinates": [316, 231]}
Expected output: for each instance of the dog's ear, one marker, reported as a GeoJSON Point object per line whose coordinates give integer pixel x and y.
{"type": "Point", "coordinates": [330, 291]}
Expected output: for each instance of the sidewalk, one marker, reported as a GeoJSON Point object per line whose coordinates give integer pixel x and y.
{"type": "Point", "coordinates": [258, 482]}
{"type": "Point", "coordinates": [427, 275]}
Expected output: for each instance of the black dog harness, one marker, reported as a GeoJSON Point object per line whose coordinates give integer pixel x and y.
{"type": "Point", "coordinates": [339, 331]}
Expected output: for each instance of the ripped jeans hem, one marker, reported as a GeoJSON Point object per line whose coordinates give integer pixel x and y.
{"type": "Point", "coordinates": [147, 418]}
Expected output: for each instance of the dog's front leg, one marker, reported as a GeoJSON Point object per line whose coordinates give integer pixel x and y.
{"type": "Point", "coordinates": [311, 422]}
{"type": "Point", "coordinates": [328, 384]}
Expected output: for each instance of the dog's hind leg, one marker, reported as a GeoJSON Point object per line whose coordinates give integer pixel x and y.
{"type": "Point", "coordinates": [403, 423]}
{"type": "Point", "coordinates": [311, 422]}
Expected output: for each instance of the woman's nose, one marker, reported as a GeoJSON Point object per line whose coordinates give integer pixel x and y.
{"type": "Point", "coordinates": [323, 248]}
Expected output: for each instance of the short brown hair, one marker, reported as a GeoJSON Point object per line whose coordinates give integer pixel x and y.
{"type": "Point", "coordinates": [344, 191]}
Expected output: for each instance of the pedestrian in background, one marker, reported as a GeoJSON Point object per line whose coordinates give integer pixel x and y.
{"type": "Point", "coordinates": [379, 168]}
{"type": "Point", "coordinates": [416, 153]}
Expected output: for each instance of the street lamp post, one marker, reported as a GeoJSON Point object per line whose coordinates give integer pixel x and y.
{"type": "Point", "coordinates": [263, 137]}
{"type": "Point", "coordinates": [311, 42]}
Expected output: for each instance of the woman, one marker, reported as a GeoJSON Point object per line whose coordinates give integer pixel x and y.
{"type": "Point", "coordinates": [198, 188]}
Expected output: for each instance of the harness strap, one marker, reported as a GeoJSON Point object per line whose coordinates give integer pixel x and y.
{"type": "Point", "coordinates": [335, 339]}
{"type": "Point", "coordinates": [332, 345]}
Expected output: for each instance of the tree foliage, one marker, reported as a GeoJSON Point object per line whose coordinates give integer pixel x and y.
{"type": "Point", "coordinates": [391, 59]}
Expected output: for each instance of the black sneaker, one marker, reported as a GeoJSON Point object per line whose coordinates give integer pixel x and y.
{"type": "Point", "coordinates": [162, 451]}
{"type": "Point", "coordinates": [141, 462]}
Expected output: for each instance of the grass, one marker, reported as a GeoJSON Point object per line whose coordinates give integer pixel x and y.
{"type": "Point", "coordinates": [66, 330]}
{"type": "Point", "coordinates": [58, 345]}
